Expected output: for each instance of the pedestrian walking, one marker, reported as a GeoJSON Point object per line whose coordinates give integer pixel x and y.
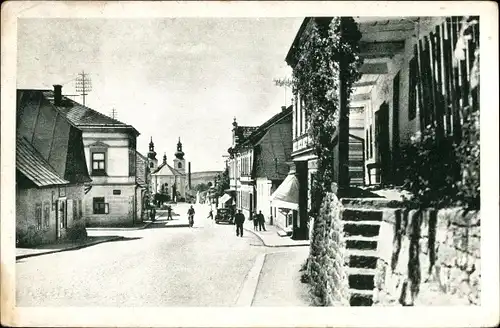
{"type": "Point", "coordinates": [210, 215]}
{"type": "Point", "coordinates": [191, 216]}
{"type": "Point", "coordinates": [239, 219]}
{"type": "Point", "coordinates": [255, 222]}
{"type": "Point", "coordinates": [261, 221]}
{"type": "Point", "coordinates": [169, 212]}
{"type": "Point", "coordinates": [152, 214]}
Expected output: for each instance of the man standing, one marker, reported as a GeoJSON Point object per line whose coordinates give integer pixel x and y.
{"type": "Point", "coordinates": [169, 212]}
{"type": "Point", "coordinates": [191, 216]}
{"type": "Point", "coordinates": [239, 218]}
{"type": "Point", "coordinates": [255, 219]}
{"type": "Point", "coordinates": [261, 220]}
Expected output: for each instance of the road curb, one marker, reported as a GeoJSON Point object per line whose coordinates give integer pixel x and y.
{"type": "Point", "coordinates": [18, 257]}
{"type": "Point", "coordinates": [274, 245]}
{"type": "Point", "coordinates": [247, 293]}
{"type": "Point", "coordinates": [118, 228]}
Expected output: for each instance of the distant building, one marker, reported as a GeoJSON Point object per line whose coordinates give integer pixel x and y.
{"type": "Point", "coordinates": [50, 170]}
{"type": "Point", "coordinates": [110, 151]}
{"type": "Point", "coordinates": [172, 179]}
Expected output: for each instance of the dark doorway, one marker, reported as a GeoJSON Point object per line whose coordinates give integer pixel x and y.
{"type": "Point", "coordinates": [382, 141]}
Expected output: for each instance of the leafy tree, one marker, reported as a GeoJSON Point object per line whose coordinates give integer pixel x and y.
{"type": "Point", "coordinates": [221, 183]}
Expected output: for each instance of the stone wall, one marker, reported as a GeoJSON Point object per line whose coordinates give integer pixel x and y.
{"type": "Point", "coordinates": [325, 270]}
{"type": "Point", "coordinates": [434, 258]}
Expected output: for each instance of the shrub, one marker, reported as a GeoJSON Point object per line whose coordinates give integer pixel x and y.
{"type": "Point", "coordinates": [77, 232]}
{"type": "Point", "coordinates": [441, 173]}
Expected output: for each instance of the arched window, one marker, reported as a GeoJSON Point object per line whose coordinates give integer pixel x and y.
{"type": "Point", "coordinates": [151, 165]}
{"type": "Point", "coordinates": [179, 165]}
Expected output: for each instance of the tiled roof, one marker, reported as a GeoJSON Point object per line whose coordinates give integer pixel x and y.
{"type": "Point", "coordinates": [261, 130]}
{"type": "Point", "coordinates": [165, 169]}
{"type": "Point", "coordinates": [140, 162]}
{"type": "Point", "coordinates": [31, 163]}
{"type": "Point", "coordinates": [81, 115]}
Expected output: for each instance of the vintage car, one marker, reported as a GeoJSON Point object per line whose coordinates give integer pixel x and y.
{"type": "Point", "coordinates": [224, 215]}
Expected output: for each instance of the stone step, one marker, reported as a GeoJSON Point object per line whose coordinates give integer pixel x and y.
{"type": "Point", "coordinates": [361, 258]}
{"type": "Point", "coordinates": [358, 214]}
{"type": "Point", "coordinates": [359, 297]}
{"type": "Point", "coordinates": [361, 228]}
{"type": "Point", "coordinates": [361, 243]}
{"type": "Point", "coordinates": [361, 278]}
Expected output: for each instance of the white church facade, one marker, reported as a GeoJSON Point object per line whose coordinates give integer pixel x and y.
{"type": "Point", "coordinates": [170, 179]}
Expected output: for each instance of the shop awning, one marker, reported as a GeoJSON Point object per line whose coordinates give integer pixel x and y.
{"type": "Point", "coordinates": [287, 194]}
{"type": "Point", "coordinates": [224, 198]}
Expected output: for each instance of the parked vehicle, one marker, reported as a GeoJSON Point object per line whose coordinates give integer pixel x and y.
{"type": "Point", "coordinates": [224, 215]}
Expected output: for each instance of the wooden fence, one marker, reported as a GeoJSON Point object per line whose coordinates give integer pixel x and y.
{"type": "Point", "coordinates": [444, 83]}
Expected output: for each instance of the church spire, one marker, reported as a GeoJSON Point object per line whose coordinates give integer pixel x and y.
{"type": "Point", "coordinates": [179, 153]}
{"type": "Point", "coordinates": [151, 153]}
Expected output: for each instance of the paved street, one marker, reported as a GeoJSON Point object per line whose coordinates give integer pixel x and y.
{"type": "Point", "coordinates": [202, 266]}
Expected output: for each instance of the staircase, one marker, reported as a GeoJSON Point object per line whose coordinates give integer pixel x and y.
{"type": "Point", "coordinates": [361, 230]}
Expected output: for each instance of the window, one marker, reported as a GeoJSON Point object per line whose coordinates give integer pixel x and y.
{"type": "Point", "coordinates": [100, 207]}
{"type": "Point", "coordinates": [75, 209]}
{"type": "Point", "coordinates": [46, 214]}
{"type": "Point", "coordinates": [38, 215]}
{"type": "Point", "coordinates": [179, 165]}
{"type": "Point", "coordinates": [117, 192]}
{"type": "Point", "coordinates": [151, 165]}
{"type": "Point", "coordinates": [98, 163]}
{"type": "Point", "coordinates": [80, 209]}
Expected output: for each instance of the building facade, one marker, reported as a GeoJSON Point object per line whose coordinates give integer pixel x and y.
{"type": "Point", "coordinates": [171, 180]}
{"type": "Point", "coordinates": [259, 163]}
{"type": "Point", "coordinates": [110, 152]}
{"type": "Point", "coordinates": [409, 81]}
{"type": "Point", "coordinates": [50, 171]}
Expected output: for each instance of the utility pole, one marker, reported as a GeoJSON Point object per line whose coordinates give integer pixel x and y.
{"type": "Point", "coordinates": [285, 83]}
{"type": "Point", "coordinates": [113, 113]}
{"type": "Point", "coordinates": [83, 85]}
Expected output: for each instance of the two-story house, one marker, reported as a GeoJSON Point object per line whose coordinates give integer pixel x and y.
{"type": "Point", "coordinates": [234, 163]}
{"type": "Point", "coordinates": [50, 170]}
{"type": "Point", "coordinates": [110, 152]}
{"type": "Point", "coordinates": [262, 163]}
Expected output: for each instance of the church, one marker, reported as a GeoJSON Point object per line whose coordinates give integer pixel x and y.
{"type": "Point", "coordinates": [172, 179]}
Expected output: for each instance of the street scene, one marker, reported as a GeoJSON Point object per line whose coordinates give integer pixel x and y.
{"type": "Point", "coordinates": [248, 162]}
{"type": "Point", "coordinates": [201, 266]}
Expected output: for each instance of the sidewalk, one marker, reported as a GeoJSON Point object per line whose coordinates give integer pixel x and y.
{"type": "Point", "coordinates": [64, 246]}
{"type": "Point", "coordinates": [144, 225]}
{"type": "Point", "coordinates": [271, 238]}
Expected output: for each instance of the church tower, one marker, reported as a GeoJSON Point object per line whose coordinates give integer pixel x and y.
{"type": "Point", "coordinates": [153, 162]}
{"type": "Point", "coordinates": [179, 161]}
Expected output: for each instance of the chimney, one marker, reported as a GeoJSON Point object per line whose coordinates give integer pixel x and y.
{"type": "Point", "coordinates": [283, 108]}
{"type": "Point", "coordinates": [57, 94]}
{"type": "Point", "coordinates": [189, 175]}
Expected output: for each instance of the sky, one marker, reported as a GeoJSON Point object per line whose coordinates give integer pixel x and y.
{"type": "Point", "coordinates": [168, 77]}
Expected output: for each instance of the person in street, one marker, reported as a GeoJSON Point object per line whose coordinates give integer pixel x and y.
{"type": "Point", "coordinates": [239, 219]}
{"type": "Point", "coordinates": [169, 212]}
{"type": "Point", "coordinates": [210, 215]}
{"type": "Point", "coordinates": [261, 221]}
{"type": "Point", "coordinates": [191, 216]}
{"type": "Point", "coordinates": [255, 222]}
{"type": "Point", "coordinates": [152, 214]}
